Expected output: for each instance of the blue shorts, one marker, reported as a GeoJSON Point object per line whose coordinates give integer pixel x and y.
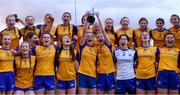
{"type": "Point", "coordinates": [7, 81]}
{"type": "Point", "coordinates": [105, 81]}
{"type": "Point", "coordinates": [168, 80]}
{"type": "Point", "coordinates": [123, 86]}
{"type": "Point", "coordinates": [23, 89]}
{"type": "Point", "coordinates": [44, 82]}
{"type": "Point", "coordinates": [146, 84]}
{"type": "Point", "coordinates": [87, 81]}
{"type": "Point", "coordinates": [66, 84]}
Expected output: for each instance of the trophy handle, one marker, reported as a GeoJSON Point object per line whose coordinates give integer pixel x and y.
{"type": "Point", "coordinates": [92, 12]}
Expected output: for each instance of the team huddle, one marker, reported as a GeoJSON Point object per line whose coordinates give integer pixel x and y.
{"type": "Point", "coordinates": [89, 58]}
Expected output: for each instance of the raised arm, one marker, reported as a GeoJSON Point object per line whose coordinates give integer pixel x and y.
{"type": "Point", "coordinates": [19, 20]}
{"type": "Point", "coordinates": [85, 28]}
{"type": "Point", "coordinates": [49, 26]}
{"type": "Point", "coordinates": [103, 31]}
{"type": "Point", "coordinates": [74, 41]}
{"type": "Point", "coordinates": [22, 22]}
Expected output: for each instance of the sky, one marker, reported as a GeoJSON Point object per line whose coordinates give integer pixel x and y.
{"type": "Point", "coordinates": [116, 9]}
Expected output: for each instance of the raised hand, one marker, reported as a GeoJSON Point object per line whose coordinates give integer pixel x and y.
{"type": "Point", "coordinates": [97, 14]}
{"type": "Point", "coordinates": [88, 13]}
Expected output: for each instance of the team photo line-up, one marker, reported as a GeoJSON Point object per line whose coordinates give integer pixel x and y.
{"type": "Point", "coordinates": [89, 58]}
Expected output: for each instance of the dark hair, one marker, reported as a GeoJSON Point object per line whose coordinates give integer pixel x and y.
{"type": "Point", "coordinates": [67, 13]}
{"type": "Point", "coordinates": [29, 35]}
{"type": "Point", "coordinates": [169, 33]}
{"type": "Point", "coordinates": [48, 14]}
{"type": "Point", "coordinates": [28, 17]}
{"type": "Point", "coordinates": [82, 18]}
{"type": "Point", "coordinates": [123, 35]}
{"type": "Point", "coordinates": [46, 32]}
{"type": "Point", "coordinates": [112, 28]}
{"type": "Point", "coordinates": [160, 19]}
{"type": "Point", "coordinates": [29, 56]}
{"type": "Point", "coordinates": [143, 18]}
{"type": "Point", "coordinates": [123, 18]}
{"type": "Point", "coordinates": [175, 16]}
{"type": "Point", "coordinates": [41, 37]}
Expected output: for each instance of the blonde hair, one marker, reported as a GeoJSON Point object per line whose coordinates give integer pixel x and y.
{"type": "Point", "coordinates": [9, 17]}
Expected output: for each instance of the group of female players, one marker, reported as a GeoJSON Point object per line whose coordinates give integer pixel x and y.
{"type": "Point", "coordinates": [66, 59]}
